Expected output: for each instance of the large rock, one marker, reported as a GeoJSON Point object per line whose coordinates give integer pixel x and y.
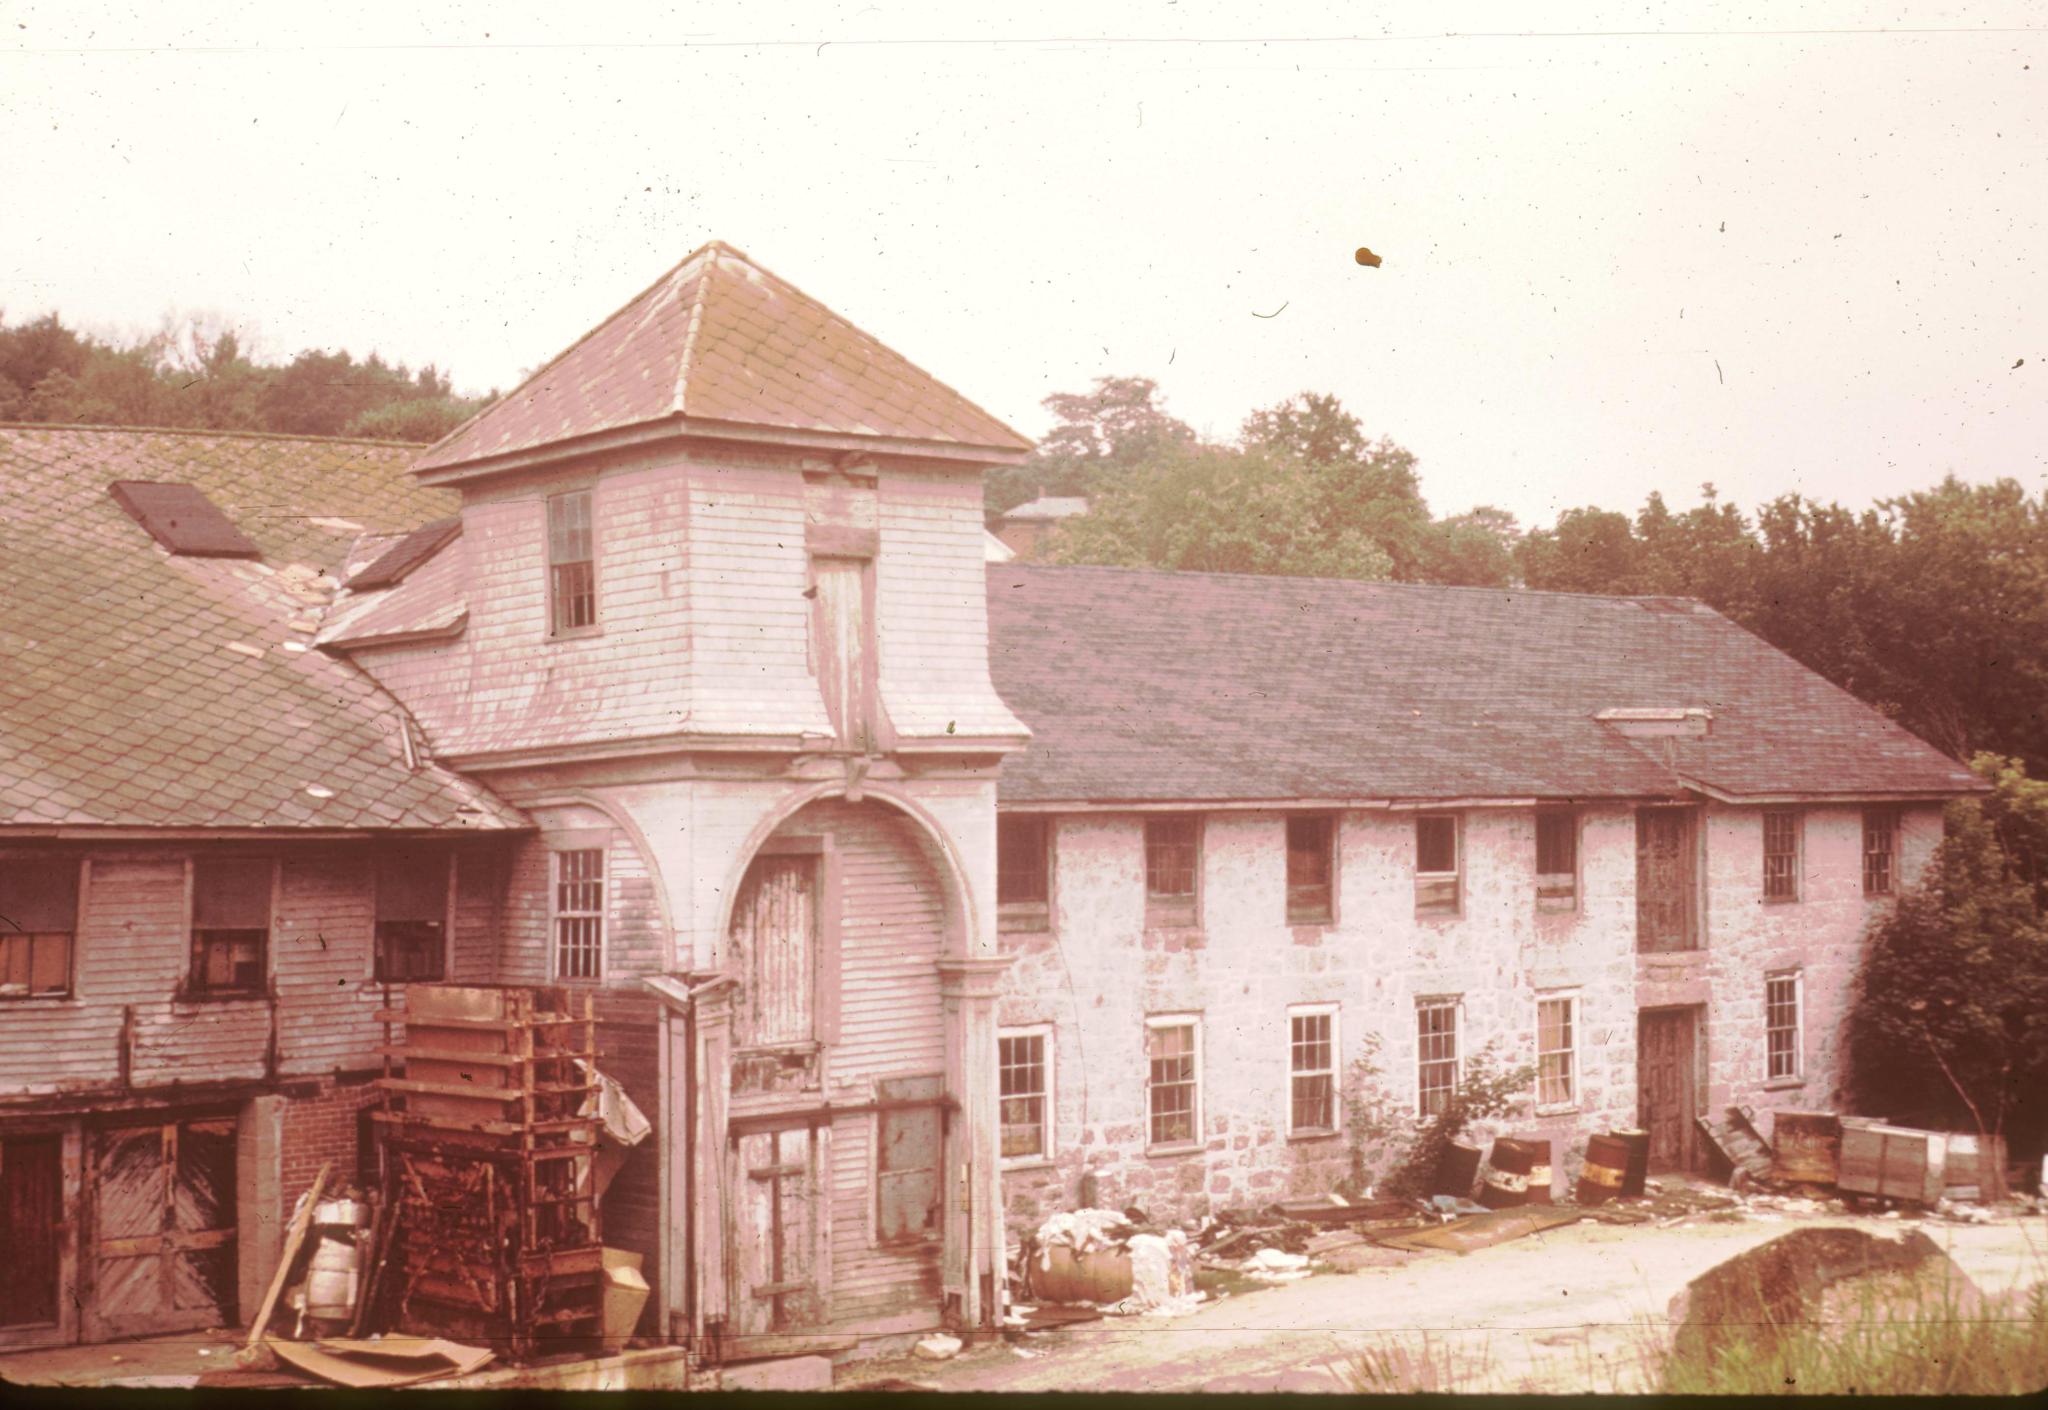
{"type": "Point", "coordinates": [1813, 1276]}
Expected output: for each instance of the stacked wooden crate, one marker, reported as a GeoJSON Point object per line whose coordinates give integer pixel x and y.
{"type": "Point", "coordinates": [488, 1166]}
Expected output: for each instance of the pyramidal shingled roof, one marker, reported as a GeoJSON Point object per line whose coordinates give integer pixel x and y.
{"type": "Point", "coordinates": [718, 339]}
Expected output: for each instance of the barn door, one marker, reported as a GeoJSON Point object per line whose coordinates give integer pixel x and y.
{"type": "Point", "coordinates": [31, 1222]}
{"type": "Point", "coordinates": [776, 1194]}
{"type": "Point", "coordinates": [1666, 1085]}
{"type": "Point", "coordinates": [164, 1228]}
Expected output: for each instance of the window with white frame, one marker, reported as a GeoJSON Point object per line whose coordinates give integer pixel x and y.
{"type": "Point", "coordinates": [1312, 1070]}
{"type": "Point", "coordinates": [579, 913]}
{"type": "Point", "coordinates": [1781, 855]}
{"type": "Point", "coordinates": [1436, 1054]}
{"type": "Point", "coordinates": [1557, 1051]}
{"type": "Point", "coordinates": [1781, 1026]}
{"type": "Point", "coordinates": [1024, 1060]}
{"type": "Point", "coordinates": [1173, 1080]}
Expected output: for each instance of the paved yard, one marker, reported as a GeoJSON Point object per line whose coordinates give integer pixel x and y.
{"type": "Point", "coordinates": [1570, 1310]}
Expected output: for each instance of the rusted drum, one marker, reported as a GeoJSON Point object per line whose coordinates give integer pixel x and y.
{"type": "Point", "coordinates": [1099, 1275]}
{"type": "Point", "coordinates": [1456, 1172]}
{"type": "Point", "coordinates": [1638, 1168]}
{"type": "Point", "coordinates": [1606, 1165]}
{"type": "Point", "coordinates": [1539, 1172]}
{"type": "Point", "coordinates": [1506, 1183]}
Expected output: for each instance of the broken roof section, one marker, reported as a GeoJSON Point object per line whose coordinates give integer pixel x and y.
{"type": "Point", "coordinates": [1149, 686]}
{"type": "Point", "coordinates": [719, 343]}
{"type": "Point", "coordinates": [150, 690]}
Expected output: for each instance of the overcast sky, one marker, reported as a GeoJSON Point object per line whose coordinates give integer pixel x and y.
{"type": "Point", "coordinates": [1778, 247]}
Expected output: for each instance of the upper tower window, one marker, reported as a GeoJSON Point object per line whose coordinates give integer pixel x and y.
{"type": "Point", "coordinates": [572, 564]}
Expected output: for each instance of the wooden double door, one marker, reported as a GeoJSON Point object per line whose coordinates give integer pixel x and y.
{"type": "Point", "coordinates": [162, 1252]}
{"type": "Point", "coordinates": [1667, 1084]}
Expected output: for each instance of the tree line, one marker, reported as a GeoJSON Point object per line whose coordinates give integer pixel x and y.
{"type": "Point", "coordinates": [191, 376]}
{"type": "Point", "coordinates": [1930, 606]}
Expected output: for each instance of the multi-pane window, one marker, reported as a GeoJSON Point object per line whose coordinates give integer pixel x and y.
{"type": "Point", "coordinates": [412, 916]}
{"type": "Point", "coordinates": [1781, 855]}
{"type": "Point", "coordinates": [38, 919]}
{"type": "Point", "coordinates": [1023, 872]}
{"type": "Point", "coordinates": [1667, 901]}
{"type": "Point", "coordinates": [1557, 1051]}
{"type": "Point", "coordinates": [1781, 1025]}
{"type": "Point", "coordinates": [1173, 848]}
{"type": "Point", "coordinates": [1880, 851]}
{"type": "Point", "coordinates": [572, 563]}
{"type": "Point", "coordinates": [230, 923]}
{"type": "Point", "coordinates": [1436, 863]}
{"type": "Point", "coordinates": [1557, 858]}
{"type": "Point", "coordinates": [1024, 1061]}
{"type": "Point", "coordinates": [1312, 1070]}
{"type": "Point", "coordinates": [1436, 1054]}
{"type": "Point", "coordinates": [579, 913]}
{"type": "Point", "coordinates": [1311, 897]}
{"type": "Point", "coordinates": [1173, 1081]}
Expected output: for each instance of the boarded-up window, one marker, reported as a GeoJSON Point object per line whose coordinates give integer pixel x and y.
{"type": "Point", "coordinates": [1557, 1051]}
{"type": "Point", "coordinates": [1173, 850]}
{"type": "Point", "coordinates": [843, 647]}
{"type": "Point", "coordinates": [579, 913]}
{"type": "Point", "coordinates": [1436, 864]}
{"type": "Point", "coordinates": [1557, 858]}
{"type": "Point", "coordinates": [1025, 1063]}
{"type": "Point", "coordinates": [38, 920]}
{"type": "Point", "coordinates": [1173, 1081]}
{"type": "Point", "coordinates": [1023, 872]}
{"type": "Point", "coordinates": [1667, 906]}
{"type": "Point", "coordinates": [1311, 898]}
{"type": "Point", "coordinates": [1436, 1054]}
{"type": "Point", "coordinates": [1880, 851]}
{"type": "Point", "coordinates": [572, 563]}
{"type": "Point", "coordinates": [1781, 1025]}
{"type": "Point", "coordinates": [1781, 855]}
{"type": "Point", "coordinates": [1312, 1071]}
{"type": "Point", "coordinates": [412, 915]}
{"type": "Point", "coordinates": [230, 922]}
{"type": "Point", "coordinates": [774, 952]}
{"type": "Point", "coordinates": [907, 1159]}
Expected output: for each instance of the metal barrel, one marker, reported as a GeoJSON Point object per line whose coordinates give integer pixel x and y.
{"type": "Point", "coordinates": [1638, 1168]}
{"type": "Point", "coordinates": [1539, 1172]}
{"type": "Point", "coordinates": [1506, 1182]}
{"type": "Point", "coordinates": [1606, 1166]}
{"type": "Point", "coordinates": [1456, 1172]}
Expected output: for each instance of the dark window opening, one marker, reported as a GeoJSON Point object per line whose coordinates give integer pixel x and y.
{"type": "Point", "coordinates": [1880, 851]}
{"type": "Point", "coordinates": [1436, 864]}
{"type": "Point", "coordinates": [1557, 858]}
{"type": "Point", "coordinates": [1023, 872]}
{"type": "Point", "coordinates": [38, 924]}
{"type": "Point", "coordinates": [412, 917]}
{"type": "Point", "coordinates": [1781, 855]}
{"type": "Point", "coordinates": [1311, 893]}
{"type": "Point", "coordinates": [572, 563]}
{"type": "Point", "coordinates": [231, 923]}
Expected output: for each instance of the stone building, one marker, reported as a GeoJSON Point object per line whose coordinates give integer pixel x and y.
{"type": "Point", "coordinates": [1263, 820]}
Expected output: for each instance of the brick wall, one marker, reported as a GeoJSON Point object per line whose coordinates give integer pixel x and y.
{"type": "Point", "coordinates": [321, 1126]}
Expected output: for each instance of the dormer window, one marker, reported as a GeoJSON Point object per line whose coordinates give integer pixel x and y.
{"type": "Point", "coordinates": [572, 564]}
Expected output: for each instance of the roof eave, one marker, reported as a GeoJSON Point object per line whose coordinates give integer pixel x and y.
{"type": "Point", "coordinates": [681, 429]}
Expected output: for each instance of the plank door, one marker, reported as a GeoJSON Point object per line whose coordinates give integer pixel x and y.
{"type": "Point", "coordinates": [31, 1219]}
{"type": "Point", "coordinates": [776, 1197]}
{"type": "Point", "coordinates": [1667, 901]}
{"type": "Point", "coordinates": [1666, 1085]}
{"type": "Point", "coordinates": [163, 1245]}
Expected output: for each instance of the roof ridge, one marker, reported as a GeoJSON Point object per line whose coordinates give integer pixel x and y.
{"type": "Point", "coordinates": [1361, 582]}
{"type": "Point", "coordinates": [680, 403]}
{"type": "Point", "coordinates": [870, 338]}
{"type": "Point", "coordinates": [545, 367]}
{"type": "Point", "coordinates": [242, 434]}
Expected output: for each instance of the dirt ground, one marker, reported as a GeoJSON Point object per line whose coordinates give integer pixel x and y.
{"type": "Point", "coordinates": [1572, 1310]}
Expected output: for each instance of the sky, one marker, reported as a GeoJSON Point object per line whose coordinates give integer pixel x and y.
{"type": "Point", "coordinates": [1778, 248]}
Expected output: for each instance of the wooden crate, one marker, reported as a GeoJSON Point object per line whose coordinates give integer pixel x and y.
{"type": "Point", "coordinates": [1893, 1161]}
{"type": "Point", "coordinates": [1806, 1147]}
{"type": "Point", "coordinates": [1975, 1170]}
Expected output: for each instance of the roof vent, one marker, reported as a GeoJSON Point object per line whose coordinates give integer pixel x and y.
{"type": "Point", "coordinates": [182, 519]}
{"type": "Point", "coordinates": [391, 567]}
{"type": "Point", "coordinates": [1661, 722]}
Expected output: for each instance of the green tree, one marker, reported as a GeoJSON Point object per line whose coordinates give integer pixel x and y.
{"type": "Point", "coordinates": [1117, 425]}
{"type": "Point", "coordinates": [1587, 550]}
{"type": "Point", "coordinates": [1949, 1022]}
{"type": "Point", "coordinates": [1474, 549]}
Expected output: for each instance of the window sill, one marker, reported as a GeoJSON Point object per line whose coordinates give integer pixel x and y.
{"type": "Point", "coordinates": [218, 996]}
{"type": "Point", "coordinates": [1317, 1134]}
{"type": "Point", "coordinates": [1557, 1109]}
{"type": "Point", "coordinates": [1176, 1149]}
{"type": "Point", "coordinates": [52, 999]}
{"type": "Point", "coordinates": [1557, 905]}
{"type": "Point", "coordinates": [1029, 920]}
{"type": "Point", "coordinates": [1022, 1164]}
{"type": "Point", "coordinates": [1784, 1084]}
{"type": "Point", "coordinates": [1438, 913]}
{"type": "Point", "coordinates": [576, 634]}
{"type": "Point", "coordinates": [1780, 900]}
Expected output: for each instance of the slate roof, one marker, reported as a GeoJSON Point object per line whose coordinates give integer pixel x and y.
{"type": "Point", "coordinates": [147, 690]}
{"type": "Point", "coordinates": [1141, 685]}
{"type": "Point", "coordinates": [719, 339]}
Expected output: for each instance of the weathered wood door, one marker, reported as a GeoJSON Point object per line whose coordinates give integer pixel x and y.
{"type": "Point", "coordinates": [774, 1249]}
{"type": "Point", "coordinates": [163, 1245]}
{"type": "Point", "coordinates": [1667, 901]}
{"type": "Point", "coordinates": [1667, 1084]}
{"type": "Point", "coordinates": [31, 1225]}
